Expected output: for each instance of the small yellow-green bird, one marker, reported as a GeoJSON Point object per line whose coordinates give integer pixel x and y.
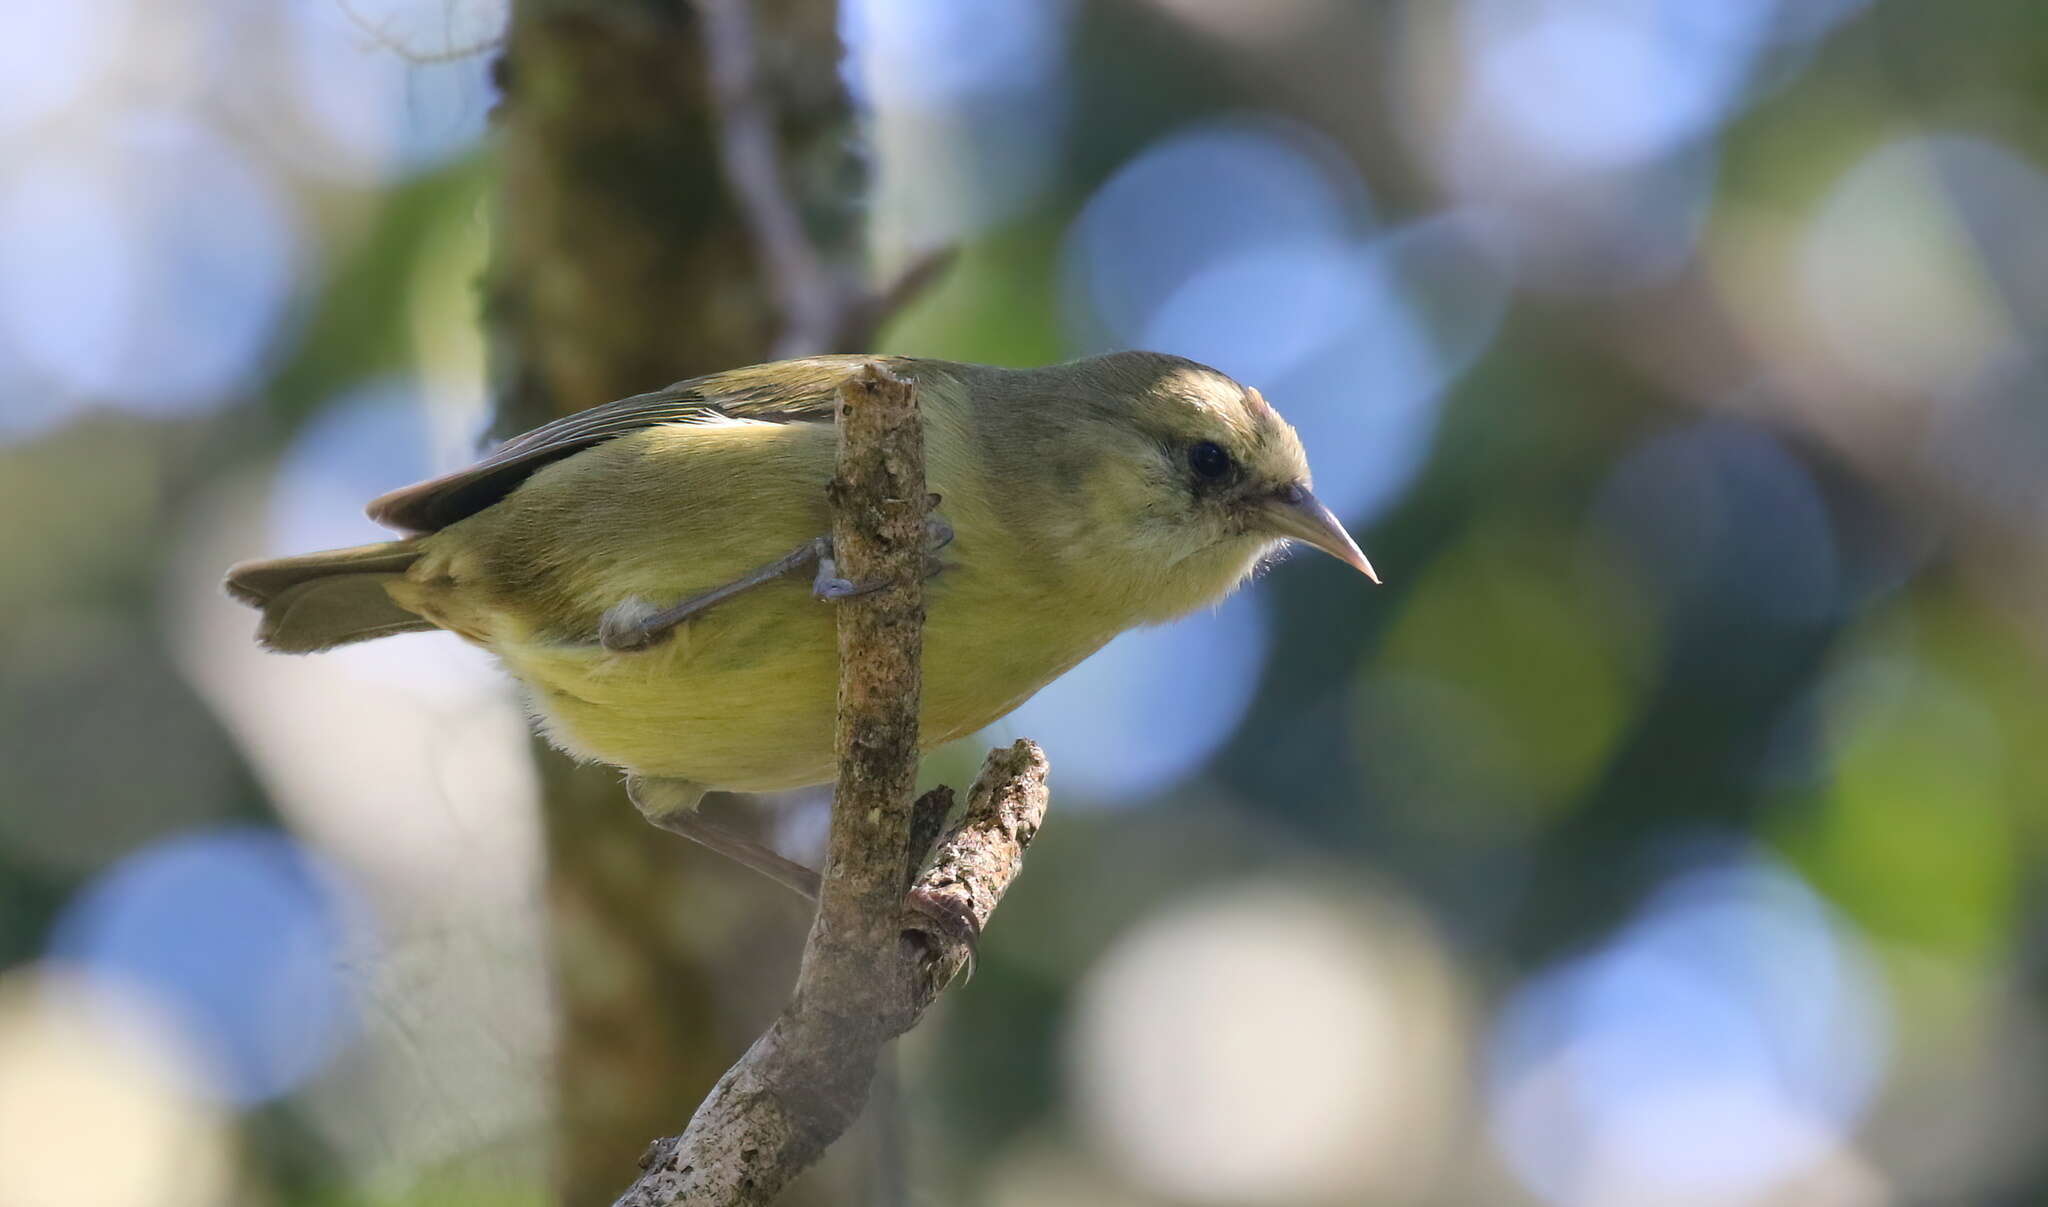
{"type": "Point", "coordinates": [651, 569]}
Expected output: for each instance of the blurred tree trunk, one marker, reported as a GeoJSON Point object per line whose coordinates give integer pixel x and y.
{"type": "Point", "coordinates": [623, 263]}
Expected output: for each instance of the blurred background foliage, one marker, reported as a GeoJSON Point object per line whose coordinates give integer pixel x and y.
{"type": "Point", "coordinates": [1667, 831]}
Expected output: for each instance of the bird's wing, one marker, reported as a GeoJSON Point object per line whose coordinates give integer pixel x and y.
{"type": "Point", "coordinates": [798, 391]}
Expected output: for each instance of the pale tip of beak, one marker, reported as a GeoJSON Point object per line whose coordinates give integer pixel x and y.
{"type": "Point", "coordinates": [1300, 516]}
{"type": "Point", "coordinates": [1356, 559]}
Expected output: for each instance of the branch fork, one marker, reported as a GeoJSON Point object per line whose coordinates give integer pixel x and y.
{"type": "Point", "coordinates": [821, 310]}
{"type": "Point", "coordinates": [875, 960]}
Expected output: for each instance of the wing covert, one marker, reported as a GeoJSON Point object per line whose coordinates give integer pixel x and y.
{"type": "Point", "coordinates": [787, 392]}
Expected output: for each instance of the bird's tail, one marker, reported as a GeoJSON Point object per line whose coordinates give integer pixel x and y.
{"type": "Point", "coordinates": [321, 600]}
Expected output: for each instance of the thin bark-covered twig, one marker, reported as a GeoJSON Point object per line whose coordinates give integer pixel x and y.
{"type": "Point", "coordinates": [869, 969]}
{"type": "Point", "coordinates": [805, 290]}
{"type": "Point", "coordinates": [822, 310]}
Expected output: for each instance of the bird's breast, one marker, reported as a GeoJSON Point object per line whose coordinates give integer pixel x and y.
{"type": "Point", "coordinates": [743, 696]}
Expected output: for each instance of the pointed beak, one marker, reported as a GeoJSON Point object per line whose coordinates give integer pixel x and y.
{"type": "Point", "coordinates": [1296, 514]}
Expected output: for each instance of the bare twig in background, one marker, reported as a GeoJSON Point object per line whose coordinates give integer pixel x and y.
{"type": "Point", "coordinates": [865, 978]}
{"type": "Point", "coordinates": [380, 35]}
{"type": "Point", "coordinates": [865, 316]}
{"type": "Point", "coordinates": [822, 311]}
{"type": "Point", "coordinates": [805, 290]}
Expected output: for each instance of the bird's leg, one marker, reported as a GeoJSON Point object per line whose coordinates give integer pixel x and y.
{"type": "Point", "coordinates": [672, 805]}
{"type": "Point", "coordinates": [741, 850]}
{"type": "Point", "coordinates": [630, 625]}
{"type": "Point", "coordinates": [937, 535]}
{"type": "Point", "coordinates": [828, 585]}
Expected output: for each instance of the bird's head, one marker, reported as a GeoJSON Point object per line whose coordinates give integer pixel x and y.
{"type": "Point", "coordinates": [1191, 479]}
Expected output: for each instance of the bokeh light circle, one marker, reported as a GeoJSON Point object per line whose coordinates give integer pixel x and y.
{"type": "Point", "coordinates": [391, 86]}
{"type": "Point", "coordinates": [1598, 84]}
{"type": "Point", "coordinates": [1895, 270]}
{"type": "Point", "coordinates": [241, 937]}
{"type": "Point", "coordinates": [52, 54]}
{"type": "Point", "coordinates": [94, 1102]}
{"type": "Point", "coordinates": [1269, 1044]}
{"type": "Point", "coordinates": [146, 266]}
{"type": "Point", "coordinates": [1718, 519]}
{"type": "Point", "coordinates": [1152, 705]}
{"type": "Point", "coordinates": [1727, 1040]}
{"type": "Point", "coordinates": [969, 106]}
{"type": "Point", "coordinates": [1196, 198]}
{"type": "Point", "coordinates": [1248, 244]}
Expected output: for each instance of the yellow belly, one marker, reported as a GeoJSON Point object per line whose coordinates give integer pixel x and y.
{"type": "Point", "coordinates": [742, 698]}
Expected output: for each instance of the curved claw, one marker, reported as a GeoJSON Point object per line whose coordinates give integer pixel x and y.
{"type": "Point", "coordinates": [828, 585]}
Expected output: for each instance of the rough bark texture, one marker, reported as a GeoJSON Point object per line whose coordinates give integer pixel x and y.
{"type": "Point", "coordinates": [866, 976]}
{"type": "Point", "coordinates": [677, 197]}
{"type": "Point", "coordinates": [878, 512]}
{"type": "Point", "coordinates": [803, 1081]}
{"type": "Point", "coordinates": [627, 256]}
{"type": "Point", "coordinates": [624, 260]}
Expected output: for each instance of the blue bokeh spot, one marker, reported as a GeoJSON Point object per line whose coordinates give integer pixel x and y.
{"type": "Point", "coordinates": [239, 936]}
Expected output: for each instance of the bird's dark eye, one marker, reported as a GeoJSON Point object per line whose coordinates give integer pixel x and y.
{"type": "Point", "coordinates": [1208, 460]}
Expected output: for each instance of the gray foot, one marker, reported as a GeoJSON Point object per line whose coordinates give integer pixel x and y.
{"type": "Point", "coordinates": [634, 624]}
